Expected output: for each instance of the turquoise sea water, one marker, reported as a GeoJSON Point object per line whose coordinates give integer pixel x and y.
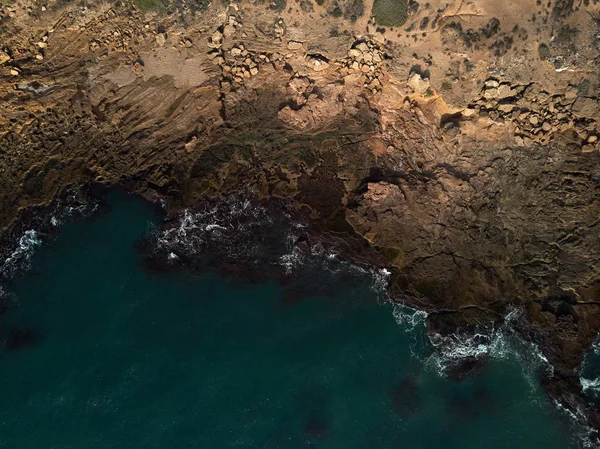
{"type": "Point", "coordinates": [117, 357]}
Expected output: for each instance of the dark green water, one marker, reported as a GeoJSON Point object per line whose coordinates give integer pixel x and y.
{"type": "Point", "coordinates": [128, 360]}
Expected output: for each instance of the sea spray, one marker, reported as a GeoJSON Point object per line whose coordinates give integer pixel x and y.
{"type": "Point", "coordinates": [332, 371]}
{"type": "Point", "coordinates": [20, 257]}
{"type": "Point", "coordinates": [407, 318]}
{"type": "Point", "coordinates": [73, 203]}
{"type": "Point", "coordinates": [590, 370]}
{"type": "Point", "coordinates": [236, 224]}
{"type": "Point", "coordinates": [589, 378]}
{"type": "Point", "coordinates": [583, 436]}
{"type": "Point", "coordinates": [241, 229]}
{"type": "Point", "coordinates": [497, 342]}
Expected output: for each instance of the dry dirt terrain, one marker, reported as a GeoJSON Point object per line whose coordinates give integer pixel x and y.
{"type": "Point", "coordinates": [456, 144]}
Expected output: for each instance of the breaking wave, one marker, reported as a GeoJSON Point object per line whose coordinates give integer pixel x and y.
{"type": "Point", "coordinates": [17, 254]}
{"type": "Point", "coordinates": [243, 230]}
{"type": "Point", "coordinates": [501, 342]}
{"type": "Point", "coordinates": [240, 227]}
{"type": "Point", "coordinates": [590, 363]}
{"type": "Point", "coordinates": [229, 222]}
{"type": "Point", "coordinates": [589, 379]}
{"type": "Point", "coordinates": [20, 257]}
{"type": "Point", "coordinates": [582, 433]}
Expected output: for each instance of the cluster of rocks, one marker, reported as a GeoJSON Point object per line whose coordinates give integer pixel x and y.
{"type": "Point", "coordinates": [236, 63]}
{"type": "Point", "coordinates": [367, 58]}
{"type": "Point", "coordinates": [129, 30]}
{"type": "Point", "coordinates": [538, 115]}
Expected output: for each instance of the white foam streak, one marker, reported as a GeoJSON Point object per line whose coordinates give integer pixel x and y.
{"type": "Point", "coordinates": [408, 318]}
{"type": "Point", "coordinates": [233, 216]}
{"type": "Point", "coordinates": [582, 432]}
{"type": "Point", "coordinates": [590, 384]}
{"type": "Point", "coordinates": [488, 341]}
{"type": "Point", "coordinates": [22, 254]}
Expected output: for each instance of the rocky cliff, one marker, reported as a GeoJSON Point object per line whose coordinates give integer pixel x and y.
{"type": "Point", "coordinates": [459, 141]}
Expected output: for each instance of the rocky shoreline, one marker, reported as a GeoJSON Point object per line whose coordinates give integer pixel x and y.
{"type": "Point", "coordinates": [463, 158]}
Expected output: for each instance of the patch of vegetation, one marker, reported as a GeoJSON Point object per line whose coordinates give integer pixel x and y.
{"type": "Point", "coordinates": [151, 5]}
{"type": "Point", "coordinates": [562, 9]}
{"type": "Point", "coordinates": [468, 65]}
{"type": "Point", "coordinates": [307, 6]}
{"type": "Point", "coordinates": [320, 2]}
{"type": "Point", "coordinates": [447, 85]}
{"type": "Point", "coordinates": [454, 31]}
{"type": "Point", "coordinates": [348, 9]}
{"type": "Point", "coordinates": [335, 10]}
{"type": "Point", "coordinates": [424, 23]}
{"type": "Point", "coordinates": [390, 13]}
{"type": "Point", "coordinates": [501, 46]}
{"type": "Point", "coordinates": [354, 10]}
{"type": "Point", "coordinates": [278, 5]}
{"type": "Point", "coordinates": [429, 92]}
{"type": "Point", "coordinates": [413, 7]}
{"type": "Point", "coordinates": [565, 39]}
{"type": "Point", "coordinates": [583, 89]}
{"type": "Point", "coordinates": [543, 51]}
{"type": "Point", "coordinates": [491, 28]}
{"type": "Point", "coordinates": [195, 5]}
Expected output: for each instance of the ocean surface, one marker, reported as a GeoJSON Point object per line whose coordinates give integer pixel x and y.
{"type": "Point", "coordinates": [100, 352]}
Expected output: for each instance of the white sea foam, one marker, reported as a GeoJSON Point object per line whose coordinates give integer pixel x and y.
{"type": "Point", "coordinates": [504, 342]}
{"type": "Point", "coordinates": [239, 227]}
{"type": "Point", "coordinates": [590, 384]}
{"type": "Point", "coordinates": [293, 258]}
{"type": "Point", "coordinates": [587, 384]}
{"type": "Point", "coordinates": [583, 434]}
{"type": "Point", "coordinates": [65, 207]}
{"type": "Point", "coordinates": [20, 257]}
{"type": "Point", "coordinates": [409, 319]}
{"type": "Point", "coordinates": [231, 220]}
{"type": "Point", "coordinates": [500, 342]}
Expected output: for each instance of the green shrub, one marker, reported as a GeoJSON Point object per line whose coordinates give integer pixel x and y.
{"type": "Point", "coordinates": [544, 51]}
{"type": "Point", "coordinates": [583, 88]}
{"type": "Point", "coordinates": [151, 5]}
{"type": "Point", "coordinates": [390, 13]}
{"type": "Point", "coordinates": [468, 66]}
